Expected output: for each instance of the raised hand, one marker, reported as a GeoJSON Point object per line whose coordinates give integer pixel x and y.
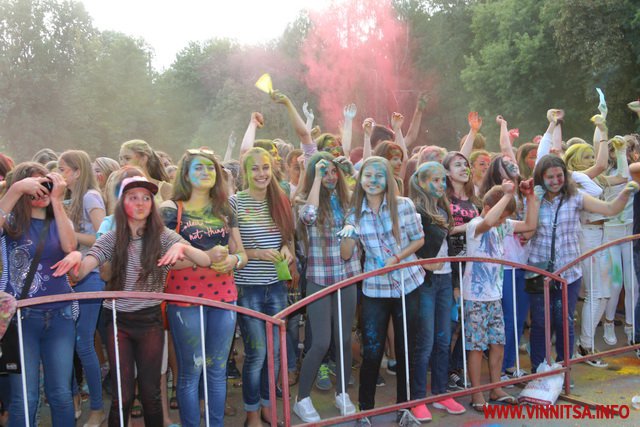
{"type": "Point", "coordinates": [500, 120]}
{"type": "Point", "coordinates": [526, 187]}
{"type": "Point", "coordinates": [321, 168]}
{"type": "Point", "coordinates": [308, 112]}
{"type": "Point", "coordinates": [59, 186]}
{"type": "Point", "coordinates": [632, 187]}
{"type": "Point", "coordinates": [257, 119]}
{"type": "Point", "coordinates": [345, 165]}
{"type": "Point", "coordinates": [554, 115]}
{"type": "Point", "coordinates": [514, 134]}
{"type": "Point", "coordinates": [423, 100]}
{"type": "Point", "coordinates": [602, 104]}
{"type": "Point", "coordinates": [396, 121]}
{"type": "Point", "coordinates": [508, 187]}
{"type": "Point", "coordinates": [349, 112]}
{"type": "Point", "coordinates": [279, 97]}
{"type": "Point", "coordinates": [618, 143]}
{"type": "Point", "coordinates": [32, 186]}
{"type": "Point", "coordinates": [367, 125]}
{"type": "Point", "coordinates": [475, 121]}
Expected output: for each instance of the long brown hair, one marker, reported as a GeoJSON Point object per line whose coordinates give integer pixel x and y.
{"type": "Point", "coordinates": [469, 189]}
{"type": "Point", "coordinates": [80, 161]}
{"type": "Point", "coordinates": [21, 212]}
{"type": "Point", "coordinates": [325, 211]}
{"type": "Point", "coordinates": [151, 248]}
{"type": "Point", "coordinates": [427, 203]}
{"type": "Point", "coordinates": [550, 161]}
{"type": "Point", "coordinates": [218, 197]}
{"type": "Point", "coordinates": [278, 202]}
{"type": "Point", "coordinates": [391, 194]}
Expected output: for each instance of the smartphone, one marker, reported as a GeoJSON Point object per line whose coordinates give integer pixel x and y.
{"type": "Point", "coordinates": [48, 185]}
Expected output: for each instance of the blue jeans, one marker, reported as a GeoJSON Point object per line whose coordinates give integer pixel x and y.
{"type": "Point", "coordinates": [219, 326]}
{"type": "Point", "coordinates": [537, 340]}
{"type": "Point", "coordinates": [267, 299]}
{"type": "Point", "coordinates": [85, 335]}
{"type": "Point", "coordinates": [48, 336]}
{"type": "Point", "coordinates": [432, 336]}
{"type": "Point", "coordinates": [522, 310]}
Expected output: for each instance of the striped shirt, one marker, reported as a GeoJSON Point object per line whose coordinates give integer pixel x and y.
{"type": "Point", "coordinates": [103, 251]}
{"type": "Point", "coordinates": [258, 231]}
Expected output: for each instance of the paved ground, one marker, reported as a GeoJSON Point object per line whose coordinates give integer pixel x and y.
{"type": "Point", "coordinates": [615, 385]}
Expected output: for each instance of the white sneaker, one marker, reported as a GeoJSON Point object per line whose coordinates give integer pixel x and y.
{"type": "Point", "coordinates": [610, 333]}
{"type": "Point", "coordinates": [348, 408]}
{"type": "Point", "coordinates": [628, 330]}
{"type": "Point", "coordinates": [305, 410]}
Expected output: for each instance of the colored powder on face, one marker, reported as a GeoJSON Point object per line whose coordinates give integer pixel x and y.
{"type": "Point", "coordinates": [199, 168]}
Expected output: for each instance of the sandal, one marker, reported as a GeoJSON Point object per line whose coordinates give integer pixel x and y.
{"type": "Point", "coordinates": [507, 399]}
{"type": "Point", "coordinates": [173, 402]}
{"type": "Point", "coordinates": [478, 407]}
{"type": "Point", "coordinates": [136, 409]}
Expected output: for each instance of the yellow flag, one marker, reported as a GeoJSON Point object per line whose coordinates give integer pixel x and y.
{"type": "Point", "coordinates": [264, 83]}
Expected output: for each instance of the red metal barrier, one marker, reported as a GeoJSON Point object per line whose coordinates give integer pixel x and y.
{"type": "Point", "coordinates": [581, 258]}
{"type": "Point", "coordinates": [382, 410]}
{"type": "Point", "coordinates": [279, 320]}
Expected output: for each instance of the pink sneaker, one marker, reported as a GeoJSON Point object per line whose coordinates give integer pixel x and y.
{"type": "Point", "coordinates": [451, 406]}
{"type": "Point", "coordinates": [421, 412]}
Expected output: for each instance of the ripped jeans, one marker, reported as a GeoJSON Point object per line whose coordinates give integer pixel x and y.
{"type": "Point", "coordinates": [219, 327]}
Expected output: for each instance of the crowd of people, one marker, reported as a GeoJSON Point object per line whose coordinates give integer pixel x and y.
{"type": "Point", "coordinates": [287, 221]}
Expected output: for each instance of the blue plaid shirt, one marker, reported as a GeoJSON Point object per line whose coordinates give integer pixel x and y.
{"type": "Point", "coordinates": [325, 266]}
{"type": "Point", "coordinates": [376, 235]}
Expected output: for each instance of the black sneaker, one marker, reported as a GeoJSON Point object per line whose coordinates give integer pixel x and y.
{"type": "Point", "coordinates": [232, 370]}
{"type": "Point", "coordinates": [380, 381]}
{"type": "Point", "coordinates": [596, 363]}
{"type": "Point", "coordinates": [455, 382]}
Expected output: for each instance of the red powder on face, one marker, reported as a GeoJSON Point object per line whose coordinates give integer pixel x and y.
{"type": "Point", "coordinates": [129, 208]}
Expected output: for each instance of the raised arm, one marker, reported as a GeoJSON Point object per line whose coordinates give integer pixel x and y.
{"type": "Point", "coordinates": [396, 125]}
{"type": "Point", "coordinates": [349, 113]}
{"type": "Point", "coordinates": [28, 186]}
{"type": "Point", "coordinates": [505, 142]}
{"type": "Point", "coordinates": [298, 124]}
{"type": "Point", "coordinates": [68, 239]}
{"type": "Point", "coordinates": [308, 113]}
{"type": "Point", "coordinates": [231, 144]}
{"type": "Point", "coordinates": [550, 137]}
{"type": "Point", "coordinates": [475, 123]}
{"type": "Point", "coordinates": [367, 127]}
{"type": "Point", "coordinates": [492, 218]}
{"type": "Point", "coordinates": [530, 222]}
{"type": "Point", "coordinates": [416, 120]}
{"type": "Point", "coordinates": [613, 207]}
{"type": "Point", "coordinates": [601, 149]}
{"type": "Point", "coordinates": [257, 121]}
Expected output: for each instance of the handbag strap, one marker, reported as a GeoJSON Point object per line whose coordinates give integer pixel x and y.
{"type": "Point", "coordinates": [178, 216]}
{"type": "Point", "coordinates": [36, 259]}
{"type": "Point", "coordinates": [552, 260]}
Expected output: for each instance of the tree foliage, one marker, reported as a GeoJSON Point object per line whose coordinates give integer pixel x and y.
{"type": "Point", "coordinates": [65, 84]}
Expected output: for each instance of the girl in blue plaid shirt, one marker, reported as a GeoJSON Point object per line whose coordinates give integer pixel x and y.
{"type": "Point", "coordinates": [390, 232]}
{"type": "Point", "coordinates": [323, 204]}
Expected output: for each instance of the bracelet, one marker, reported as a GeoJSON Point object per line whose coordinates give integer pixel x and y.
{"type": "Point", "coordinates": [3, 214]}
{"type": "Point", "coordinates": [398, 258]}
{"type": "Point", "coordinates": [239, 260]}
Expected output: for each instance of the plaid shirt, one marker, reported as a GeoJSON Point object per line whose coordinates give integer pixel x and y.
{"type": "Point", "coordinates": [376, 235]}
{"type": "Point", "coordinates": [325, 266]}
{"type": "Point", "coordinates": [567, 234]}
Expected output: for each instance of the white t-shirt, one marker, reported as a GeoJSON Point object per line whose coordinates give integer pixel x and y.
{"type": "Point", "coordinates": [483, 281]}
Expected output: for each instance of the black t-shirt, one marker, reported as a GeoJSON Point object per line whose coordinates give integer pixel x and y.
{"type": "Point", "coordinates": [462, 212]}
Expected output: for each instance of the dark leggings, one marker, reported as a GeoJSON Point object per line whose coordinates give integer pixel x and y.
{"type": "Point", "coordinates": [140, 344]}
{"type": "Point", "coordinates": [375, 318]}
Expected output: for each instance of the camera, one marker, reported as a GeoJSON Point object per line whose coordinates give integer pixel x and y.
{"type": "Point", "coordinates": [48, 185]}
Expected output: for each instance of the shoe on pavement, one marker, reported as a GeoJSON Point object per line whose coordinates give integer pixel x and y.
{"type": "Point", "coordinates": [610, 333]}
{"type": "Point", "coordinates": [450, 405]}
{"type": "Point", "coordinates": [348, 408]}
{"type": "Point", "coordinates": [323, 382]}
{"type": "Point", "coordinates": [380, 381]}
{"type": "Point", "coordinates": [392, 365]}
{"type": "Point", "coordinates": [421, 412]}
{"type": "Point", "coordinates": [596, 363]}
{"type": "Point", "coordinates": [305, 411]}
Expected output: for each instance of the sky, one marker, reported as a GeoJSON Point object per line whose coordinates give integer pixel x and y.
{"type": "Point", "coordinates": [169, 25]}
